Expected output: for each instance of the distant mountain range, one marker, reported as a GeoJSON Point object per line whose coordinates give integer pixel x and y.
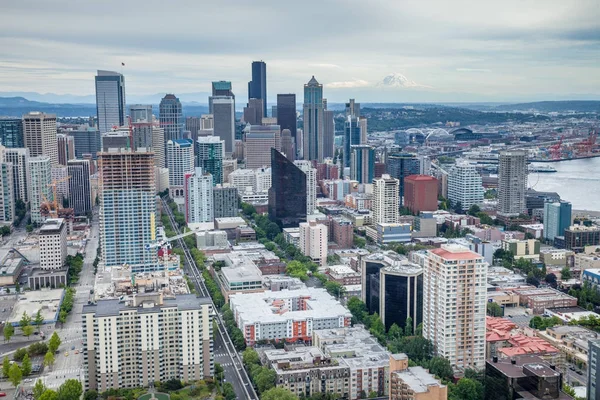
{"type": "Point", "coordinates": [195, 98]}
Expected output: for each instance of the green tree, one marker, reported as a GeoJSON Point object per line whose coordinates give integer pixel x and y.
{"type": "Point", "coordinates": [440, 367]}
{"type": "Point", "coordinates": [278, 394]}
{"type": "Point", "coordinates": [551, 279]}
{"type": "Point", "coordinates": [71, 389]}
{"type": "Point", "coordinates": [54, 342]}
{"type": "Point", "coordinates": [395, 332]}
{"type": "Point", "coordinates": [15, 375]}
{"type": "Point", "coordinates": [9, 332]}
{"type": "Point", "coordinates": [38, 389]}
{"type": "Point", "coordinates": [376, 324]}
{"type": "Point", "coordinates": [565, 274]}
{"type": "Point", "coordinates": [467, 389]}
{"type": "Point", "coordinates": [265, 379]}
{"type": "Point", "coordinates": [17, 287]}
{"type": "Point", "coordinates": [335, 289]}
{"type": "Point", "coordinates": [26, 365]}
{"type": "Point", "coordinates": [357, 308]}
{"type": "Point", "coordinates": [29, 228]}
{"type": "Point", "coordinates": [473, 210]}
{"type": "Point", "coordinates": [250, 357]}
{"type": "Point", "coordinates": [372, 395]}
{"type": "Point", "coordinates": [28, 331]}
{"type": "Point", "coordinates": [25, 320]}
{"type": "Point", "coordinates": [228, 391]}
{"type": "Point", "coordinates": [90, 395]}
{"type": "Point", "coordinates": [49, 359]}
{"type": "Point", "coordinates": [494, 309]}
{"type": "Point", "coordinates": [49, 394]}
{"type": "Point", "coordinates": [5, 367]}
{"type": "Point", "coordinates": [20, 354]}
{"type": "Point", "coordinates": [408, 328]}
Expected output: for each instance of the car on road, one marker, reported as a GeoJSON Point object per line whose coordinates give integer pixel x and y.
{"type": "Point", "coordinates": [28, 380]}
{"type": "Point", "coordinates": [66, 354]}
{"type": "Point", "coordinates": [2, 394]}
{"type": "Point", "coordinates": [72, 347]}
{"type": "Point", "coordinates": [579, 373]}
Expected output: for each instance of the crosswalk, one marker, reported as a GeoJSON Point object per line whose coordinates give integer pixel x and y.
{"type": "Point", "coordinates": [55, 378]}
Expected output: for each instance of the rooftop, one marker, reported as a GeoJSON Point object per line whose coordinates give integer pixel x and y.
{"type": "Point", "coordinates": [112, 307]}
{"type": "Point", "coordinates": [455, 252]}
{"type": "Point", "coordinates": [522, 365]}
{"type": "Point", "coordinates": [52, 224]}
{"type": "Point", "coordinates": [418, 379]}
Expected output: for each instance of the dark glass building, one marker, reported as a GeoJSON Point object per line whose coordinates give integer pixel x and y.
{"type": "Point", "coordinates": [86, 142]}
{"type": "Point", "coordinates": [11, 132]}
{"type": "Point", "coordinates": [171, 117]}
{"type": "Point", "coordinates": [286, 113]}
{"type": "Point", "coordinates": [401, 165]}
{"type": "Point", "coordinates": [351, 137]}
{"type": "Point", "coordinates": [225, 201]}
{"type": "Point", "coordinates": [257, 87]}
{"type": "Point", "coordinates": [287, 195]}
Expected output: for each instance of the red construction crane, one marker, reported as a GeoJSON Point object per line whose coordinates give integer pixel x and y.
{"type": "Point", "coordinates": [556, 149]}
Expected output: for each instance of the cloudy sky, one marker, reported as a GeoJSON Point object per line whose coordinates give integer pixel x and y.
{"type": "Point", "coordinates": [449, 50]}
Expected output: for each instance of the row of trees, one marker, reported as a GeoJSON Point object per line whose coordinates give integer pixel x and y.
{"type": "Point", "coordinates": [25, 324]}
{"type": "Point", "coordinates": [234, 332]}
{"type": "Point", "coordinates": [71, 389]}
{"type": "Point", "coordinates": [75, 265]}
{"type": "Point", "coordinates": [67, 304]}
{"type": "Point", "coordinates": [15, 373]}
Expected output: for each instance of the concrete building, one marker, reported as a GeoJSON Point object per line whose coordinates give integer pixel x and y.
{"type": "Point", "coordinates": [389, 232]}
{"type": "Point", "coordinates": [127, 208]}
{"type": "Point", "coordinates": [464, 185]}
{"type": "Point", "coordinates": [66, 148]}
{"type": "Point", "coordinates": [140, 113]}
{"type": "Point", "coordinates": [253, 112]}
{"type": "Point", "coordinates": [259, 142]}
{"type": "Point", "coordinates": [313, 241]}
{"type": "Point", "coordinates": [528, 249]}
{"type": "Point", "coordinates": [39, 133]}
{"type": "Point", "coordinates": [342, 233]}
{"type": "Point", "coordinates": [198, 196]}
{"type": "Point", "coordinates": [224, 120]}
{"type": "Point", "coordinates": [170, 115]}
{"type": "Point", "coordinates": [40, 178]}
{"type": "Point", "coordinates": [328, 133]}
{"type": "Point", "coordinates": [454, 305]}
{"type": "Point", "coordinates": [145, 339]}
{"type": "Point", "coordinates": [87, 141]}
{"type": "Point", "coordinates": [7, 197]}
{"type": "Point", "coordinates": [593, 375]}
{"type": "Point", "coordinates": [386, 197]}
{"type": "Point", "coordinates": [413, 383]}
{"type": "Point", "coordinates": [287, 315]}
{"type": "Point", "coordinates": [220, 88]}
{"type": "Point", "coordinates": [288, 146]}
{"type": "Point", "coordinates": [311, 184]}
{"type": "Point", "coordinates": [362, 163]}
{"type": "Point", "coordinates": [225, 201]}
{"type": "Point", "coordinates": [210, 151]}
{"type": "Point", "coordinates": [557, 218]}
{"type": "Point", "coordinates": [53, 244]}
{"type": "Point", "coordinates": [110, 100]}
{"type": "Point", "coordinates": [161, 179]}
{"type": "Point", "coordinates": [313, 120]}
{"type": "Point", "coordinates": [512, 182]}
{"type": "Point", "coordinates": [158, 138]}
{"type": "Point", "coordinates": [579, 236]}
{"type": "Point", "coordinates": [80, 191]}
{"type": "Point", "coordinates": [19, 158]}
{"type": "Point", "coordinates": [180, 160]}
{"type": "Point", "coordinates": [420, 193]}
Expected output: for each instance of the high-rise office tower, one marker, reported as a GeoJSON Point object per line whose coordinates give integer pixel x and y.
{"type": "Point", "coordinates": [287, 144]}
{"type": "Point", "coordinates": [593, 374]}
{"type": "Point", "coordinates": [385, 200]}
{"type": "Point", "coordinates": [171, 117]}
{"type": "Point", "coordinates": [257, 87]}
{"type": "Point", "coordinates": [66, 148]}
{"type": "Point", "coordinates": [311, 184]}
{"type": "Point", "coordinates": [287, 195]}
{"type": "Point", "coordinates": [87, 141]}
{"type": "Point", "coordinates": [353, 109]}
{"type": "Point", "coordinates": [220, 88]}
{"type": "Point", "coordinates": [313, 120]}
{"type": "Point", "coordinates": [53, 244]}
{"type": "Point", "coordinates": [224, 120]}
{"type": "Point", "coordinates": [557, 218]}
{"type": "Point", "coordinates": [80, 190]}
{"type": "Point", "coordinates": [225, 201]}
{"type": "Point", "coordinates": [207, 122]}
{"type": "Point", "coordinates": [512, 182]}
{"type": "Point", "coordinates": [286, 113]}
{"type": "Point", "coordinates": [253, 112]}
{"type": "Point", "coordinates": [149, 338]}
{"type": "Point", "coordinates": [194, 125]}
{"type": "Point", "coordinates": [362, 124]}
{"type": "Point", "coordinates": [259, 141]}
{"type": "Point", "coordinates": [465, 185]}
{"type": "Point", "coordinates": [209, 156]}
{"type": "Point", "coordinates": [158, 138]}
{"type": "Point", "coordinates": [110, 100]}
{"type": "Point", "coordinates": [39, 180]}
{"type": "Point", "coordinates": [19, 158]}
{"type": "Point", "coordinates": [39, 133]}
{"type": "Point", "coordinates": [198, 196]}
{"type": "Point", "coordinates": [60, 174]}
{"type": "Point", "coordinates": [362, 163]}
{"type": "Point", "coordinates": [7, 197]}
{"type": "Point", "coordinates": [328, 133]}
{"type": "Point", "coordinates": [140, 113]}
{"type": "Point", "coordinates": [401, 165]}
{"type": "Point", "coordinates": [180, 160]}
{"type": "Point", "coordinates": [351, 137]}
{"type": "Point", "coordinates": [11, 132]}
{"type": "Point", "coordinates": [454, 305]}
{"type": "Point", "coordinates": [313, 241]}
{"type": "Point", "coordinates": [127, 208]}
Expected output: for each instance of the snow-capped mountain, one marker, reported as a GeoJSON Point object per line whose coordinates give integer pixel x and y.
{"type": "Point", "coordinates": [397, 80]}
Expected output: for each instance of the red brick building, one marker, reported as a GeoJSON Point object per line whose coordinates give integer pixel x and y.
{"type": "Point", "coordinates": [420, 193]}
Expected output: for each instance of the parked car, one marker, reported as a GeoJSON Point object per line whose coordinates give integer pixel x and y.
{"type": "Point", "coordinates": [2, 394]}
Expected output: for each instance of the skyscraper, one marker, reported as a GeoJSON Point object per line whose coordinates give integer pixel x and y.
{"type": "Point", "coordinates": [7, 197]}
{"type": "Point", "coordinates": [454, 305]}
{"type": "Point", "coordinates": [353, 109]}
{"type": "Point", "coordinates": [127, 208]}
{"type": "Point", "coordinates": [110, 100]}
{"type": "Point", "coordinates": [401, 165]}
{"type": "Point", "coordinates": [512, 182]}
{"type": "Point", "coordinates": [362, 163]}
{"type": "Point", "coordinates": [11, 132]}
{"type": "Point", "coordinates": [557, 218]}
{"type": "Point", "coordinates": [257, 87]}
{"type": "Point", "coordinates": [313, 120]}
{"type": "Point", "coordinates": [19, 158]}
{"type": "Point", "coordinates": [66, 148]}
{"type": "Point", "coordinates": [40, 178]}
{"type": "Point", "coordinates": [259, 140]}
{"type": "Point", "coordinates": [209, 155]}
{"type": "Point", "coordinates": [287, 144]}
{"type": "Point", "coordinates": [225, 201]}
{"type": "Point", "coordinates": [328, 133]}
{"type": "Point", "coordinates": [464, 185]}
{"type": "Point", "coordinates": [253, 112]}
{"type": "Point", "coordinates": [351, 137]}
{"type": "Point", "coordinates": [140, 113]}
{"type": "Point", "coordinates": [286, 113]}
{"type": "Point", "coordinates": [171, 117]}
{"type": "Point", "coordinates": [224, 120]}
{"type": "Point", "coordinates": [220, 88]}
{"type": "Point", "coordinates": [180, 160]}
{"type": "Point", "coordinates": [287, 195]}
{"type": "Point", "coordinates": [158, 138]}
{"type": "Point", "coordinates": [80, 191]}
{"type": "Point", "coordinates": [87, 141]}
{"type": "Point", "coordinates": [39, 132]}
{"type": "Point", "coordinates": [198, 196]}
{"type": "Point", "coordinates": [593, 374]}
{"type": "Point", "coordinates": [385, 200]}
{"type": "Point", "coordinates": [311, 184]}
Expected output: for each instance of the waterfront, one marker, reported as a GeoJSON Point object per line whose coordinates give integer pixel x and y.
{"type": "Point", "coordinates": [577, 181]}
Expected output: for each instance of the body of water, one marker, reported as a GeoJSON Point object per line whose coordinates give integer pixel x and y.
{"type": "Point", "coordinates": [577, 181]}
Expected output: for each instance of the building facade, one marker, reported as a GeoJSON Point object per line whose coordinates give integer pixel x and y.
{"type": "Point", "coordinates": [420, 193]}
{"type": "Point", "coordinates": [287, 115]}
{"type": "Point", "coordinates": [80, 191]}
{"type": "Point", "coordinates": [53, 244]}
{"type": "Point", "coordinates": [180, 160]}
{"type": "Point", "coordinates": [11, 132]}
{"type": "Point", "coordinates": [362, 163]}
{"type": "Point", "coordinates": [170, 115]}
{"type": "Point", "coordinates": [259, 141]}
{"type": "Point", "coordinates": [40, 178]}
{"type": "Point", "coordinates": [313, 120]}
{"type": "Point", "coordinates": [225, 201]}
{"type": "Point", "coordinates": [110, 100]}
{"type": "Point", "coordinates": [557, 218]}
{"type": "Point", "coordinates": [19, 158]}
{"type": "Point", "coordinates": [401, 165]}
{"type": "Point", "coordinates": [311, 184]}
{"type": "Point", "coordinates": [351, 137]}
{"type": "Point", "coordinates": [224, 120]}
{"type": "Point", "coordinates": [66, 148]}
{"type": "Point", "coordinates": [512, 182]}
{"type": "Point", "coordinates": [198, 196]}
{"type": "Point", "coordinates": [313, 241]}
{"type": "Point", "coordinates": [464, 185]}
{"type": "Point", "coordinates": [386, 198]}
{"type": "Point", "coordinates": [257, 87]}
{"type": "Point", "coordinates": [39, 133]}
{"type": "Point", "coordinates": [288, 191]}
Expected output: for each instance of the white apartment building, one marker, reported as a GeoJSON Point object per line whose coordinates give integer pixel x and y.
{"type": "Point", "coordinates": [464, 185]}
{"type": "Point", "coordinates": [19, 159]}
{"type": "Point", "coordinates": [313, 241]}
{"type": "Point", "coordinates": [199, 205]}
{"type": "Point", "coordinates": [53, 244]}
{"type": "Point", "coordinates": [180, 160]}
{"type": "Point", "coordinates": [251, 180]}
{"type": "Point", "coordinates": [454, 305]}
{"type": "Point", "coordinates": [39, 135]}
{"type": "Point", "coordinates": [158, 140]}
{"type": "Point", "coordinates": [147, 338]}
{"type": "Point", "coordinates": [40, 177]}
{"type": "Point", "coordinates": [386, 200]}
{"type": "Point", "coordinates": [311, 184]}
{"type": "Point", "coordinates": [512, 182]}
{"type": "Point", "coordinates": [7, 197]}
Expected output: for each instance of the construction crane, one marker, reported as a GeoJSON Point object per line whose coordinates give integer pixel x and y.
{"type": "Point", "coordinates": [52, 208]}
{"type": "Point", "coordinates": [556, 149]}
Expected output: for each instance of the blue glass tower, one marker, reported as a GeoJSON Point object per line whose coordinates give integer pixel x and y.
{"type": "Point", "coordinates": [557, 218]}
{"type": "Point", "coordinates": [313, 120]}
{"type": "Point", "coordinates": [11, 132]}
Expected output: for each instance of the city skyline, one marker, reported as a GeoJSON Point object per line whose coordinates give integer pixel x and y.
{"type": "Point", "coordinates": [522, 53]}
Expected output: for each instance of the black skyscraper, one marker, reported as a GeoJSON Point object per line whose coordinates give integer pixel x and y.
{"type": "Point", "coordinates": [401, 165]}
{"type": "Point", "coordinates": [286, 113]}
{"type": "Point", "coordinates": [257, 87]}
{"type": "Point", "coordinates": [287, 195]}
